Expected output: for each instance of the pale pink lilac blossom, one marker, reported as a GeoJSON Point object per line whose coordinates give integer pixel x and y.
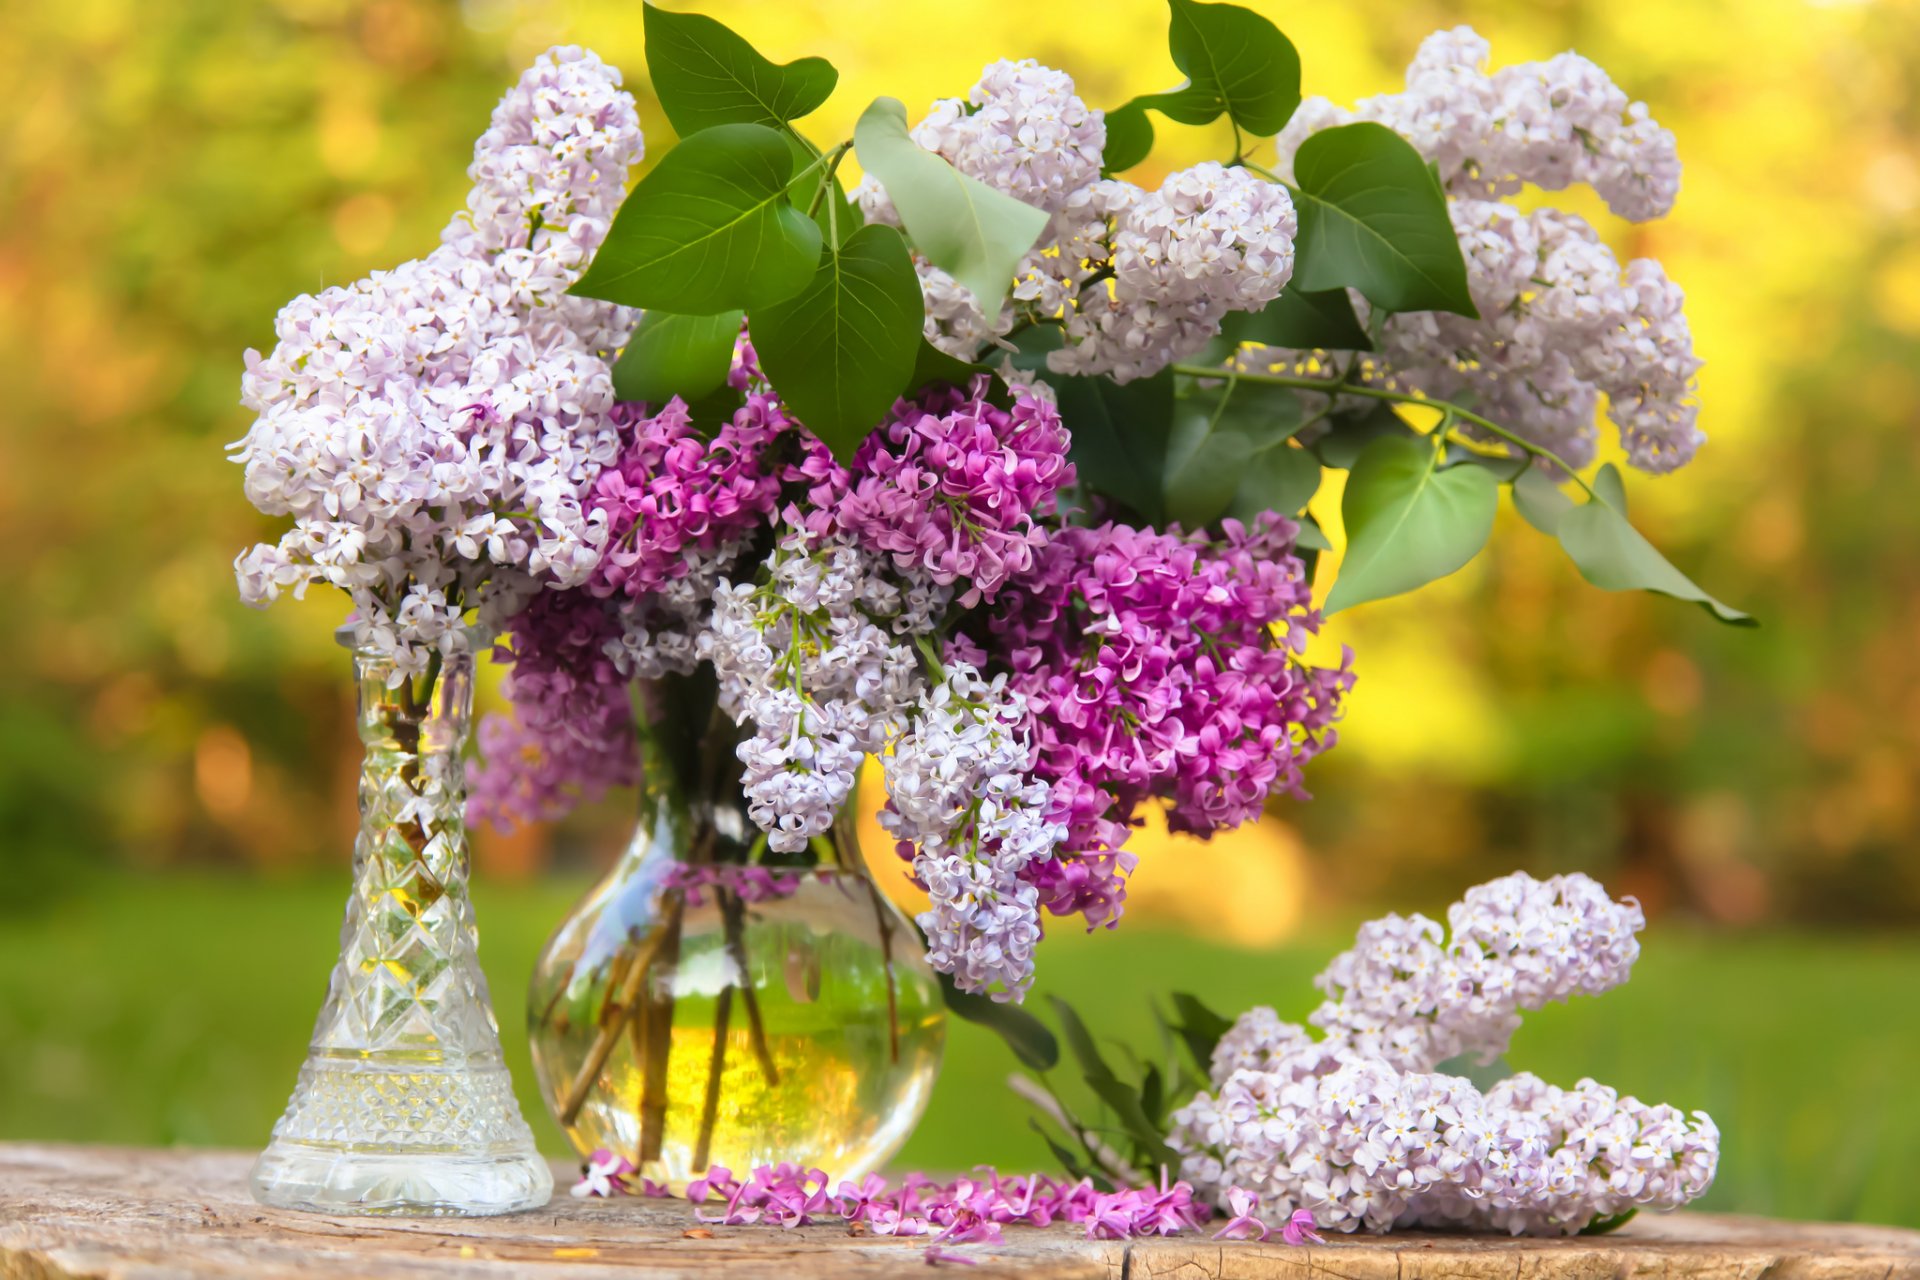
{"type": "Point", "coordinates": [432, 430]}
{"type": "Point", "coordinates": [1561, 322]}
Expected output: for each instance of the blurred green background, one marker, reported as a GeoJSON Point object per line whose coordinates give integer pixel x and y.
{"type": "Point", "coordinates": [176, 772]}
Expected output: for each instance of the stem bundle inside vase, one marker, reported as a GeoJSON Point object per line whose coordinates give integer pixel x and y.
{"type": "Point", "coordinates": [713, 1003]}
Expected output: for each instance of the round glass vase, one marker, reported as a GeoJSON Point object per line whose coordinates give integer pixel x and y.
{"type": "Point", "coordinates": [404, 1104]}
{"type": "Point", "coordinates": [708, 1003]}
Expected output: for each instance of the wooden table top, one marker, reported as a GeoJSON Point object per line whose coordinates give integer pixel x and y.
{"type": "Point", "coordinates": [123, 1214]}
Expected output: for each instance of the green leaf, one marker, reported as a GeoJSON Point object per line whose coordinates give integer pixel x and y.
{"type": "Point", "coordinates": [1129, 138]}
{"type": "Point", "coordinates": [1032, 346]}
{"type": "Point", "coordinates": [1612, 554]}
{"type": "Point", "coordinates": [931, 365]}
{"type": "Point", "coordinates": [1372, 217]}
{"type": "Point", "coordinates": [1080, 1041]}
{"type": "Point", "coordinates": [714, 410]}
{"type": "Point", "coordinates": [1068, 1160]}
{"type": "Point", "coordinates": [706, 75]}
{"type": "Point", "coordinates": [1026, 1035]}
{"type": "Point", "coordinates": [1301, 321]}
{"type": "Point", "coordinates": [1120, 435]}
{"type": "Point", "coordinates": [836, 215]}
{"type": "Point", "coordinates": [1312, 537]}
{"type": "Point", "coordinates": [671, 355]}
{"type": "Point", "coordinates": [1282, 479]}
{"type": "Point", "coordinates": [1235, 61]}
{"type": "Point", "coordinates": [1408, 522]}
{"type": "Point", "coordinates": [1482, 1077]}
{"type": "Point", "coordinates": [1540, 501]}
{"type": "Point", "coordinates": [1348, 437]}
{"type": "Point", "coordinates": [1110, 1089]}
{"type": "Point", "coordinates": [710, 229]}
{"type": "Point", "coordinates": [1200, 1028]}
{"type": "Point", "coordinates": [1610, 1224]}
{"type": "Point", "coordinates": [1213, 444]}
{"type": "Point", "coordinates": [966, 228]}
{"type": "Point", "coordinates": [1153, 1092]}
{"type": "Point", "coordinates": [842, 349]}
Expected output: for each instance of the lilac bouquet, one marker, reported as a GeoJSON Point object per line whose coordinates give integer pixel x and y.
{"type": "Point", "coordinates": [995, 465]}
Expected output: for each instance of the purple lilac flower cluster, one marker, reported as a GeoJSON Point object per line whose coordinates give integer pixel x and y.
{"type": "Point", "coordinates": [956, 488]}
{"type": "Point", "coordinates": [1161, 664]}
{"type": "Point", "coordinates": [1361, 1130]}
{"type": "Point", "coordinates": [573, 737]}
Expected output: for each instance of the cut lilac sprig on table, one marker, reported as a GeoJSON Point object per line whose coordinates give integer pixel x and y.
{"type": "Point", "coordinates": [1360, 1131]}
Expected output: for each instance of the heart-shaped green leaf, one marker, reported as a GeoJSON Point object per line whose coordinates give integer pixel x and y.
{"type": "Point", "coordinates": [1120, 435]}
{"type": "Point", "coordinates": [710, 229]}
{"type": "Point", "coordinates": [670, 355]}
{"type": "Point", "coordinates": [1235, 62]}
{"type": "Point", "coordinates": [1613, 555]}
{"type": "Point", "coordinates": [841, 350]}
{"type": "Point", "coordinates": [1217, 446]}
{"type": "Point", "coordinates": [1540, 502]}
{"type": "Point", "coordinates": [1300, 321]}
{"type": "Point", "coordinates": [932, 365]}
{"type": "Point", "coordinates": [1373, 217]}
{"type": "Point", "coordinates": [1350, 435]}
{"type": "Point", "coordinates": [1408, 522]}
{"type": "Point", "coordinates": [1129, 138]}
{"type": "Point", "coordinates": [706, 75]}
{"type": "Point", "coordinates": [975, 234]}
{"type": "Point", "coordinates": [1281, 478]}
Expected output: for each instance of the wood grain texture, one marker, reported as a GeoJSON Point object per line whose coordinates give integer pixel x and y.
{"type": "Point", "coordinates": [96, 1212]}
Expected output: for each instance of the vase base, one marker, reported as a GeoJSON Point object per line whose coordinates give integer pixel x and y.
{"type": "Point", "coordinates": [313, 1179]}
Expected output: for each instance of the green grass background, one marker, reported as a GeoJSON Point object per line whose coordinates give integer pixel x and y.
{"type": "Point", "coordinates": [176, 1009]}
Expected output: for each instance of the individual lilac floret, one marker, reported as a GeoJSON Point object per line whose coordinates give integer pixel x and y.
{"type": "Point", "coordinates": [968, 812]}
{"type": "Point", "coordinates": [1409, 997]}
{"type": "Point", "coordinates": [1359, 1133]}
{"type": "Point", "coordinates": [954, 487]}
{"type": "Point", "coordinates": [1162, 664]}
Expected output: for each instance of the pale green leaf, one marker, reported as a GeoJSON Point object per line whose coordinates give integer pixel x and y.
{"type": "Point", "coordinates": [1409, 522]}
{"type": "Point", "coordinates": [966, 228]}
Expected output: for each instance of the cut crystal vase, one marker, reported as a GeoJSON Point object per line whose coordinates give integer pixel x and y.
{"type": "Point", "coordinates": [404, 1105]}
{"type": "Point", "coordinates": [711, 1003]}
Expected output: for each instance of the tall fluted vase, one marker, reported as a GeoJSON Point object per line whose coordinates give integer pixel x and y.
{"type": "Point", "coordinates": [404, 1105]}
{"type": "Point", "coordinates": [712, 1003]}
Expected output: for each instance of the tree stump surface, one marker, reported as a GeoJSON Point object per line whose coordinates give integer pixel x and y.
{"type": "Point", "coordinates": [121, 1214]}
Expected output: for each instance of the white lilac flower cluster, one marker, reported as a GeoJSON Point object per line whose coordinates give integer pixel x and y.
{"type": "Point", "coordinates": [1212, 239]}
{"type": "Point", "coordinates": [1410, 998]}
{"type": "Point", "coordinates": [431, 430]}
{"type": "Point", "coordinates": [962, 794]}
{"type": "Point", "coordinates": [1561, 323]}
{"type": "Point", "coordinates": [1362, 1131]}
{"type": "Point", "coordinates": [805, 658]}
